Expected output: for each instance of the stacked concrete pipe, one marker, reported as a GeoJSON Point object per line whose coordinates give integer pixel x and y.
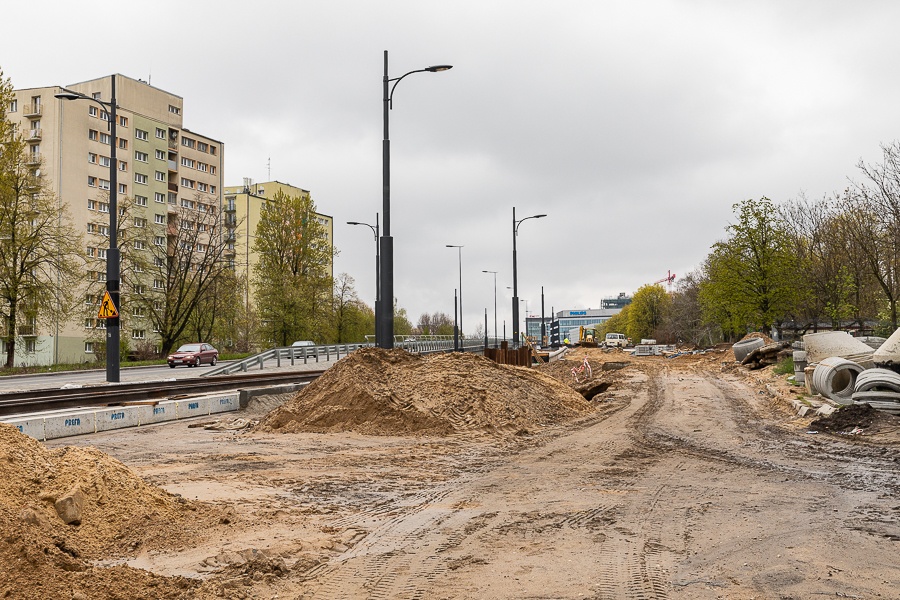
{"type": "Point", "coordinates": [835, 378]}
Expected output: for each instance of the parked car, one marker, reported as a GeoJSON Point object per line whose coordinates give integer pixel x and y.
{"type": "Point", "coordinates": [301, 343]}
{"type": "Point", "coordinates": [193, 355]}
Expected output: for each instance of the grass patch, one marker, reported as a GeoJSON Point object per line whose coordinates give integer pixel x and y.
{"type": "Point", "coordinates": [785, 367]}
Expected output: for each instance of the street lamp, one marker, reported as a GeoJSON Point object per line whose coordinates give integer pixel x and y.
{"type": "Point", "coordinates": [377, 273]}
{"type": "Point", "coordinates": [495, 305]}
{"type": "Point", "coordinates": [515, 300]}
{"type": "Point", "coordinates": [112, 255]}
{"type": "Point", "coordinates": [386, 319]}
{"type": "Point", "coordinates": [460, 286]}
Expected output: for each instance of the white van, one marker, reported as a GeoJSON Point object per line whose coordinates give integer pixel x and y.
{"type": "Point", "coordinates": [615, 340]}
{"type": "Point", "coordinates": [302, 343]}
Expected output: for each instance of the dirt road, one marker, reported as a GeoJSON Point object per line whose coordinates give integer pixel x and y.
{"type": "Point", "coordinates": [686, 483]}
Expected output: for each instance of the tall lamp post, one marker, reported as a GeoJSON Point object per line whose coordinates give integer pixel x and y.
{"type": "Point", "coordinates": [495, 305]}
{"type": "Point", "coordinates": [112, 255]}
{"type": "Point", "coordinates": [515, 300]}
{"type": "Point", "coordinates": [386, 319]}
{"type": "Point", "coordinates": [460, 287]}
{"type": "Point", "coordinates": [377, 272]}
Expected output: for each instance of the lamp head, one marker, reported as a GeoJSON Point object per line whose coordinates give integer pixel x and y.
{"type": "Point", "coordinates": [353, 223]}
{"type": "Point", "coordinates": [437, 68]}
{"type": "Point", "coordinates": [67, 95]}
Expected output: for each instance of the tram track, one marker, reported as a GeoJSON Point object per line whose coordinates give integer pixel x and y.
{"type": "Point", "coordinates": [119, 394]}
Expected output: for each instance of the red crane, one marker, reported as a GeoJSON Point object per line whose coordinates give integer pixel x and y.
{"type": "Point", "coordinates": [668, 279]}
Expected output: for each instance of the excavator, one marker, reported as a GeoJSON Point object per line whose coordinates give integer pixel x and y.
{"type": "Point", "coordinates": [587, 336]}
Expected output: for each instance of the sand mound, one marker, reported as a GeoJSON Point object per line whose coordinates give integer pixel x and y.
{"type": "Point", "coordinates": [391, 392]}
{"type": "Point", "coordinates": [43, 557]}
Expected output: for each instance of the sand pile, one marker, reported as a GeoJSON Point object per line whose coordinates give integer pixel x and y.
{"type": "Point", "coordinates": [61, 509]}
{"type": "Point", "coordinates": [391, 392]}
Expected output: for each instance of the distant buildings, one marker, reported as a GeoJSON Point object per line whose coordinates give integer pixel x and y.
{"type": "Point", "coordinates": [574, 318]}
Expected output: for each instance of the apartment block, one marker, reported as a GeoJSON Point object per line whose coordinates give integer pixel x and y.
{"type": "Point", "coordinates": [160, 165]}
{"type": "Point", "coordinates": [243, 207]}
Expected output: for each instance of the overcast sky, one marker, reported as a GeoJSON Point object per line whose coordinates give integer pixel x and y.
{"type": "Point", "coordinates": [634, 125]}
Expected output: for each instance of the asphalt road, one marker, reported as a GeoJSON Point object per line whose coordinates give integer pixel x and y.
{"type": "Point", "coordinates": [130, 375]}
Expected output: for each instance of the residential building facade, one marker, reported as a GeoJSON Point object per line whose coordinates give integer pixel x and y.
{"type": "Point", "coordinates": [161, 168]}
{"type": "Point", "coordinates": [242, 208]}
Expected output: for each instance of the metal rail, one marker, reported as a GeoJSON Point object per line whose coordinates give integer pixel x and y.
{"type": "Point", "coordinates": [291, 354]}
{"type": "Point", "coordinates": [55, 399]}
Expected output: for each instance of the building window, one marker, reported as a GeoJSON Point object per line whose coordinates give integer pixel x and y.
{"type": "Point", "coordinates": [160, 176]}
{"type": "Point", "coordinates": [160, 155]}
{"type": "Point", "coordinates": [123, 144]}
{"type": "Point", "coordinates": [104, 184]}
{"type": "Point", "coordinates": [123, 121]}
{"type": "Point", "coordinates": [140, 134]}
{"type": "Point", "coordinates": [92, 181]}
{"type": "Point", "coordinates": [159, 241]}
{"type": "Point", "coordinates": [174, 110]}
{"type": "Point", "coordinates": [103, 206]}
{"type": "Point", "coordinates": [92, 158]}
{"type": "Point", "coordinates": [123, 189]}
{"type": "Point", "coordinates": [201, 247]}
{"type": "Point", "coordinates": [187, 162]}
{"type": "Point", "coordinates": [140, 200]}
{"type": "Point", "coordinates": [92, 205]}
{"type": "Point", "coordinates": [188, 142]}
{"type": "Point", "coordinates": [159, 197]}
{"type": "Point", "coordinates": [212, 189]}
{"type": "Point", "coordinates": [105, 139]}
{"type": "Point", "coordinates": [123, 166]}
{"type": "Point", "coordinates": [92, 110]}
{"type": "Point", "coordinates": [137, 311]}
{"type": "Point", "coordinates": [104, 161]}
{"type": "Point", "coordinates": [158, 262]}
{"type": "Point", "coordinates": [158, 284]}
{"type": "Point", "coordinates": [202, 146]}
{"type": "Point", "coordinates": [140, 222]}
{"type": "Point", "coordinates": [159, 219]}
{"type": "Point", "coordinates": [212, 169]}
{"type": "Point", "coordinates": [140, 178]}
{"type": "Point", "coordinates": [140, 156]}
{"type": "Point", "coordinates": [161, 133]}
{"type": "Point", "coordinates": [14, 106]}
{"type": "Point", "coordinates": [202, 187]}
{"type": "Point", "coordinates": [89, 347]}
{"type": "Point", "coordinates": [188, 183]}
{"type": "Point", "coordinates": [137, 334]}
{"type": "Point", "coordinates": [212, 150]}
{"type": "Point", "coordinates": [139, 289]}
{"type": "Point", "coordinates": [91, 252]}
{"type": "Point", "coordinates": [139, 244]}
{"type": "Point", "coordinates": [93, 135]}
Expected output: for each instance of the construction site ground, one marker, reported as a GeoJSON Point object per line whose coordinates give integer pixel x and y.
{"type": "Point", "coordinates": [686, 477]}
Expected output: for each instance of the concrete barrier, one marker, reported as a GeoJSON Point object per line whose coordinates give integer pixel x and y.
{"type": "Point", "coordinates": [224, 404]}
{"type": "Point", "coordinates": [30, 426]}
{"type": "Point", "coordinates": [162, 411]}
{"type": "Point", "coordinates": [117, 417]}
{"type": "Point", "coordinates": [77, 422]}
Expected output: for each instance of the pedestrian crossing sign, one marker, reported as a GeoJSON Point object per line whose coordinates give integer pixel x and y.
{"type": "Point", "coordinates": [108, 309]}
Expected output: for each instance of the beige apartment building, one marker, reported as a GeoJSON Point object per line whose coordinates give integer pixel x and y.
{"type": "Point", "coordinates": [243, 207]}
{"type": "Point", "coordinates": [161, 166]}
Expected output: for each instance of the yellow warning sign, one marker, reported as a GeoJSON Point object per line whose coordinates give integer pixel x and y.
{"type": "Point", "coordinates": [108, 309]}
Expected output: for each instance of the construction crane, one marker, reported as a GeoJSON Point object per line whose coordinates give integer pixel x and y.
{"type": "Point", "coordinates": [668, 280]}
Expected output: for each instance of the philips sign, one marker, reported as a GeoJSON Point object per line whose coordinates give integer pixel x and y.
{"type": "Point", "coordinates": [573, 313]}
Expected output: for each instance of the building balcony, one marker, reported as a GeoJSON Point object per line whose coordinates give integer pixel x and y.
{"type": "Point", "coordinates": [27, 330]}
{"type": "Point", "coordinates": [230, 207]}
{"type": "Point", "coordinates": [34, 159]}
{"type": "Point", "coordinates": [34, 134]}
{"type": "Point", "coordinates": [173, 198]}
{"type": "Point", "coordinates": [173, 187]}
{"type": "Point", "coordinates": [173, 144]}
{"type": "Point", "coordinates": [173, 166]}
{"type": "Point", "coordinates": [32, 110]}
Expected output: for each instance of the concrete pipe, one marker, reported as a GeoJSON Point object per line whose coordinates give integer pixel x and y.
{"type": "Point", "coordinates": [835, 378]}
{"type": "Point", "coordinates": [872, 380]}
{"type": "Point", "coordinates": [745, 347]}
{"type": "Point", "coordinates": [825, 344]}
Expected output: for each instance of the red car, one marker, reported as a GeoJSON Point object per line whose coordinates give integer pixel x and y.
{"type": "Point", "coordinates": [193, 355]}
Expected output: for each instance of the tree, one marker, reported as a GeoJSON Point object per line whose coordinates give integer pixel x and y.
{"type": "Point", "coordinates": [684, 321]}
{"type": "Point", "coordinates": [648, 308]}
{"type": "Point", "coordinates": [438, 323]}
{"type": "Point", "coordinates": [177, 276]}
{"type": "Point", "coordinates": [750, 275]}
{"type": "Point", "coordinates": [39, 249]}
{"type": "Point", "coordinates": [292, 278]}
{"type": "Point", "coordinates": [352, 318]}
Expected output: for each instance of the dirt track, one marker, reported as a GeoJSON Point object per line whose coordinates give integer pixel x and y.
{"type": "Point", "coordinates": [686, 483]}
